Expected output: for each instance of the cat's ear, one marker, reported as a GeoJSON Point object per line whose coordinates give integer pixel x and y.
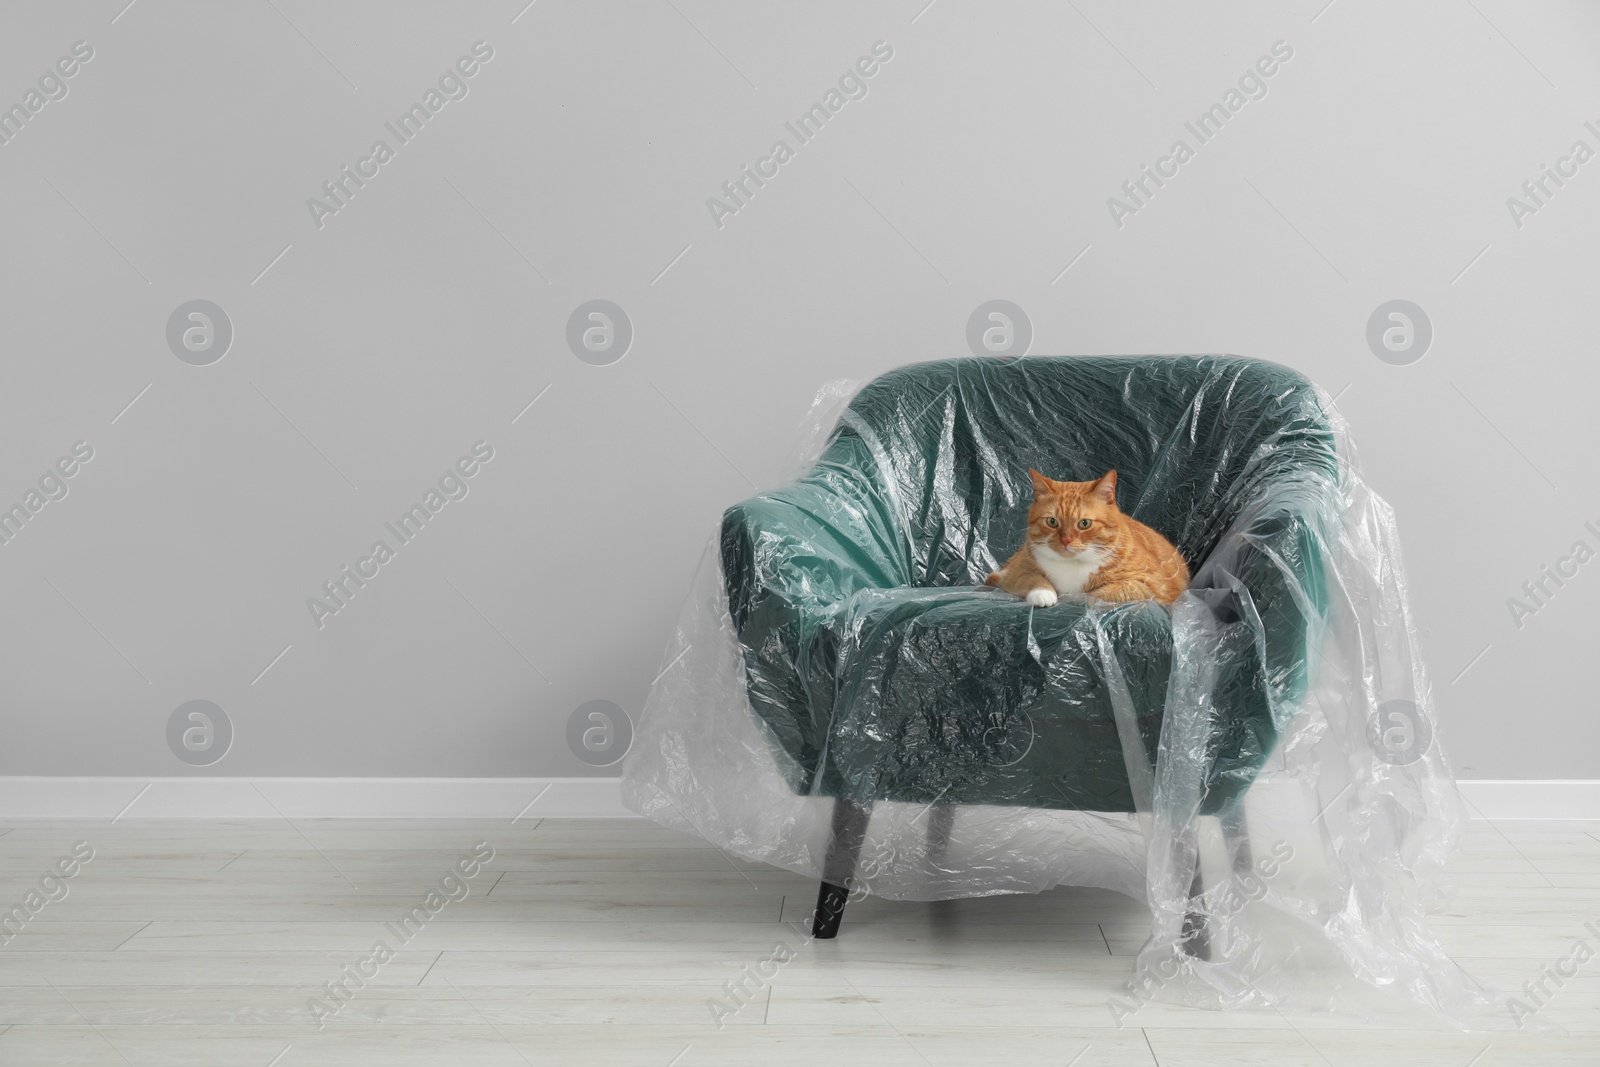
{"type": "Point", "coordinates": [1105, 490]}
{"type": "Point", "coordinates": [1041, 484]}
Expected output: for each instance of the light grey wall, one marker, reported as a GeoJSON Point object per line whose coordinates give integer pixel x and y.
{"type": "Point", "coordinates": [428, 312]}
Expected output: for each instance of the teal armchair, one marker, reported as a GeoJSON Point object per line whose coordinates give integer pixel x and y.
{"type": "Point", "coordinates": [884, 670]}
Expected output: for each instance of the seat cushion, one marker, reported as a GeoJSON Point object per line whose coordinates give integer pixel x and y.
{"type": "Point", "coordinates": [968, 696]}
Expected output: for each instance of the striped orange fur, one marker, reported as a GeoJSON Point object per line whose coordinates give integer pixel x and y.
{"type": "Point", "coordinates": [1080, 542]}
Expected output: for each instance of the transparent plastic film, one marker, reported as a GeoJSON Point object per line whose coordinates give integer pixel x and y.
{"type": "Point", "coordinates": [1260, 762]}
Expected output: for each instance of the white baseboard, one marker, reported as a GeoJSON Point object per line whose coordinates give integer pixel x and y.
{"type": "Point", "coordinates": [495, 798]}
{"type": "Point", "coordinates": [310, 798]}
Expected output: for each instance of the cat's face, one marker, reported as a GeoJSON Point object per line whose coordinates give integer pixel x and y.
{"type": "Point", "coordinates": [1068, 517]}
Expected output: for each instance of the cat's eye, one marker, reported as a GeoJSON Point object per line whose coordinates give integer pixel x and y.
{"type": "Point", "coordinates": [1050, 521]}
{"type": "Point", "coordinates": [1084, 524]}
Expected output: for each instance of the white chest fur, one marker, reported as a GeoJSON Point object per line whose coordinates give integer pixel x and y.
{"type": "Point", "coordinates": [1069, 574]}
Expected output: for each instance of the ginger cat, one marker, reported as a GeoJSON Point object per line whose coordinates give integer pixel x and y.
{"type": "Point", "coordinates": [1079, 542]}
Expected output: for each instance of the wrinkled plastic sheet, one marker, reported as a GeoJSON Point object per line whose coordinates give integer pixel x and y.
{"type": "Point", "coordinates": [1260, 762]}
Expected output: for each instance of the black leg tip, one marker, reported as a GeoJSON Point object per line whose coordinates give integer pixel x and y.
{"type": "Point", "coordinates": [830, 909]}
{"type": "Point", "coordinates": [1195, 942]}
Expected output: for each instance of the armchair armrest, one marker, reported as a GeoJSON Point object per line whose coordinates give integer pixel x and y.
{"type": "Point", "coordinates": [1264, 584]}
{"type": "Point", "coordinates": [791, 559]}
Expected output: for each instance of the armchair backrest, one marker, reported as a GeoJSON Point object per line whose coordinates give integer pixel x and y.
{"type": "Point", "coordinates": [1194, 439]}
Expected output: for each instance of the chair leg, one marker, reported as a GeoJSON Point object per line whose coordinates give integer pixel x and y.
{"type": "Point", "coordinates": [941, 817]}
{"type": "Point", "coordinates": [1236, 836]}
{"type": "Point", "coordinates": [1195, 942]}
{"type": "Point", "coordinates": [838, 868]}
{"type": "Point", "coordinates": [1236, 840]}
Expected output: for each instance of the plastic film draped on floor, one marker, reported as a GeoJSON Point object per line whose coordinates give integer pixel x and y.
{"type": "Point", "coordinates": [1260, 763]}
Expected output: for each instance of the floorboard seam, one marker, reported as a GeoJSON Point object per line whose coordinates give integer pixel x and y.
{"type": "Point", "coordinates": [429, 970]}
{"type": "Point", "coordinates": [1153, 1057]}
{"type": "Point", "coordinates": [133, 935]}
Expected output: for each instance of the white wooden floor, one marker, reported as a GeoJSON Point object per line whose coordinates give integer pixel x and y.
{"type": "Point", "coordinates": [604, 942]}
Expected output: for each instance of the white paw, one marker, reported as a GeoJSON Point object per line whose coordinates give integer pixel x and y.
{"type": "Point", "coordinates": [1042, 598]}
